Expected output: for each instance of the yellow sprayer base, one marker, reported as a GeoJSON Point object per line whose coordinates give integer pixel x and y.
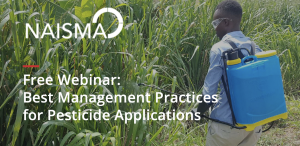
{"type": "Point", "coordinates": [251, 127]}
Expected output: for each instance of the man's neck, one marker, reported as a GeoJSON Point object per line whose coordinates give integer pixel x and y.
{"type": "Point", "coordinates": [237, 28]}
{"type": "Point", "coordinates": [232, 31]}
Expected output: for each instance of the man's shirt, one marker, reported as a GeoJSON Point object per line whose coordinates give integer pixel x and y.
{"type": "Point", "coordinates": [221, 110]}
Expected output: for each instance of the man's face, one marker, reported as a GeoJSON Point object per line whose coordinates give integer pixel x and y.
{"type": "Point", "coordinates": [222, 28]}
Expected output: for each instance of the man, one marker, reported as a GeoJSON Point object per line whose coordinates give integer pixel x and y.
{"type": "Point", "coordinates": [226, 21]}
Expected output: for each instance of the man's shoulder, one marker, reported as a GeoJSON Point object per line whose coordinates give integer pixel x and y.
{"type": "Point", "coordinates": [219, 47]}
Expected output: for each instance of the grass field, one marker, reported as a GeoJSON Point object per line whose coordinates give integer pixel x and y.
{"type": "Point", "coordinates": [165, 43]}
{"type": "Point", "coordinates": [285, 132]}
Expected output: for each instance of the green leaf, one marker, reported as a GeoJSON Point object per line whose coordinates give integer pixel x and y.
{"type": "Point", "coordinates": [85, 12]}
{"type": "Point", "coordinates": [3, 72]}
{"type": "Point", "coordinates": [65, 124]}
{"type": "Point", "coordinates": [155, 135]}
{"type": "Point", "coordinates": [4, 21]}
{"type": "Point", "coordinates": [66, 137]}
{"type": "Point", "coordinates": [60, 41]}
{"type": "Point", "coordinates": [17, 87]}
{"type": "Point", "coordinates": [18, 121]}
{"type": "Point", "coordinates": [66, 4]}
{"type": "Point", "coordinates": [77, 138]}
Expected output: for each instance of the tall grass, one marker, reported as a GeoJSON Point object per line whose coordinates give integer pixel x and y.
{"type": "Point", "coordinates": [165, 44]}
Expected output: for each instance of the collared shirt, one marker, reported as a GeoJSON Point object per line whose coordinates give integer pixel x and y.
{"type": "Point", "coordinates": [221, 110]}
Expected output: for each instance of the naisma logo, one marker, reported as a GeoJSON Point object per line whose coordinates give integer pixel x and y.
{"type": "Point", "coordinates": [87, 29]}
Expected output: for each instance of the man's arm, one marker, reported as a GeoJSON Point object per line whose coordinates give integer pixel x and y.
{"type": "Point", "coordinates": [211, 81]}
{"type": "Point", "coordinates": [214, 75]}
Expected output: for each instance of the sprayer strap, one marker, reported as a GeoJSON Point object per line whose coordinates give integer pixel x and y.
{"type": "Point", "coordinates": [232, 44]}
{"type": "Point", "coordinates": [222, 122]}
{"type": "Point", "coordinates": [234, 47]}
{"type": "Point", "coordinates": [252, 48]}
{"type": "Point", "coordinates": [226, 86]}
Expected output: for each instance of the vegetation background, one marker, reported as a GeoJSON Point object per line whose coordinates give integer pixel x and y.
{"type": "Point", "coordinates": [164, 43]}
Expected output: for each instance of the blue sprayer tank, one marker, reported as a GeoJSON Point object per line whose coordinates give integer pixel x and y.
{"type": "Point", "coordinates": [256, 89]}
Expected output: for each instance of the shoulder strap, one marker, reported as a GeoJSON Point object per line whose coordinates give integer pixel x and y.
{"type": "Point", "coordinates": [252, 48]}
{"type": "Point", "coordinates": [232, 44]}
{"type": "Point", "coordinates": [227, 92]}
{"type": "Point", "coordinates": [225, 81]}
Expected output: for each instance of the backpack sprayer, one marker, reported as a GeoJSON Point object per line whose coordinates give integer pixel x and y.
{"type": "Point", "coordinates": [253, 86]}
